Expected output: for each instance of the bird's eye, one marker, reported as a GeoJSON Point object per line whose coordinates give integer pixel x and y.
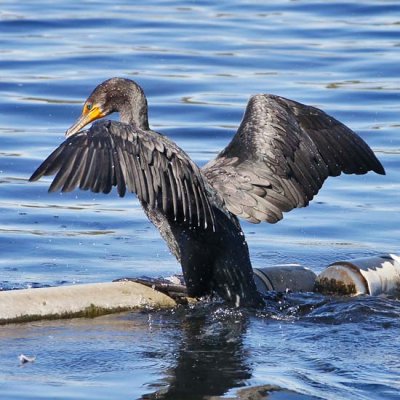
{"type": "Point", "coordinates": [88, 106]}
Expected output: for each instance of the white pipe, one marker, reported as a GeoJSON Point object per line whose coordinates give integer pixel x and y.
{"type": "Point", "coordinates": [373, 276]}
{"type": "Point", "coordinates": [86, 300]}
{"type": "Point", "coordinates": [283, 278]}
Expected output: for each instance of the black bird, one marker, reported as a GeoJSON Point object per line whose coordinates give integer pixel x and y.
{"type": "Point", "coordinates": [278, 160]}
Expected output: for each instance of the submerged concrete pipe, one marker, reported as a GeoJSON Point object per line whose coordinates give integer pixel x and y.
{"type": "Point", "coordinates": [87, 300]}
{"type": "Point", "coordinates": [373, 276]}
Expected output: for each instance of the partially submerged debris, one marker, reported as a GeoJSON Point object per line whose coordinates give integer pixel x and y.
{"type": "Point", "coordinates": [23, 359]}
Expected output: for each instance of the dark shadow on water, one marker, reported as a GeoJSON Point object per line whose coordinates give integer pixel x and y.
{"type": "Point", "coordinates": [211, 358]}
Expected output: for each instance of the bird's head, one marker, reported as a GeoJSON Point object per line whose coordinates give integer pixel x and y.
{"type": "Point", "coordinates": [113, 95]}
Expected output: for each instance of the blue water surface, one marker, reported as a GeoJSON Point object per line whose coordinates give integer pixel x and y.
{"type": "Point", "coordinates": [198, 62]}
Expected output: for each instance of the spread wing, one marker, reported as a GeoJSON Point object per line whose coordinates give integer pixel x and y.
{"type": "Point", "coordinates": [281, 155]}
{"type": "Point", "coordinates": [111, 154]}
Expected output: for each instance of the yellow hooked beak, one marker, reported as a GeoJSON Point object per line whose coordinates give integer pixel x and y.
{"type": "Point", "coordinates": [89, 114]}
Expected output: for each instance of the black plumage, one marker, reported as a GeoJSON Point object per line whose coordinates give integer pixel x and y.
{"type": "Point", "coordinates": [278, 160]}
{"type": "Point", "coordinates": [280, 157]}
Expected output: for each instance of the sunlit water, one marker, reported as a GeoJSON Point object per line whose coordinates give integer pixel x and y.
{"type": "Point", "coordinates": [198, 63]}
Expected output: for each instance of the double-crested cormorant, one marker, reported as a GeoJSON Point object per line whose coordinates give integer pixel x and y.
{"type": "Point", "coordinates": [278, 160]}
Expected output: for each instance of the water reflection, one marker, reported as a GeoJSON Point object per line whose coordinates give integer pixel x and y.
{"type": "Point", "coordinates": [211, 358]}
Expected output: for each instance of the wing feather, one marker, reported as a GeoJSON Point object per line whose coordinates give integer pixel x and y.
{"type": "Point", "coordinates": [111, 154]}
{"type": "Point", "coordinates": [173, 188]}
{"type": "Point", "coordinates": [120, 180]}
{"type": "Point", "coordinates": [76, 172]}
{"type": "Point", "coordinates": [281, 156]}
{"type": "Point", "coordinates": [64, 171]}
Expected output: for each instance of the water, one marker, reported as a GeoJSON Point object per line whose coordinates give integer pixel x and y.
{"type": "Point", "coordinates": [198, 63]}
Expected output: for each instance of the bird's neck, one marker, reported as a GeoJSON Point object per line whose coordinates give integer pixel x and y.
{"type": "Point", "coordinates": [137, 115]}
